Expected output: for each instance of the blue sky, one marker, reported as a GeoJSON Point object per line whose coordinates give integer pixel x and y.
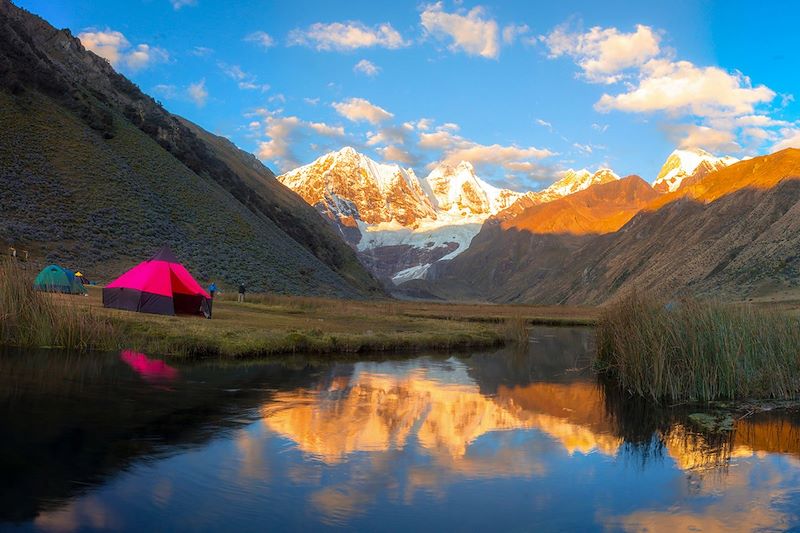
{"type": "Point", "coordinates": [522, 89]}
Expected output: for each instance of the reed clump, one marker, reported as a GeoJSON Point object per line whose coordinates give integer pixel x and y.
{"type": "Point", "coordinates": [515, 331]}
{"type": "Point", "coordinates": [698, 351]}
{"type": "Point", "coordinates": [30, 318]}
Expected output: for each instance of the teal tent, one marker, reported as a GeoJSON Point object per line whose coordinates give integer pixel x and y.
{"type": "Point", "coordinates": [53, 278]}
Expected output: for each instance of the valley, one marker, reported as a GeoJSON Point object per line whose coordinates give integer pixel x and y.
{"type": "Point", "coordinates": [390, 266]}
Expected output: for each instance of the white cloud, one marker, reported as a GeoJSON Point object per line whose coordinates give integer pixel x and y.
{"type": "Point", "coordinates": [790, 138]}
{"type": "Point", "coordinates": [367, 68]}
{"type": "Point", "coordinates": [707, 138]}
{"type": "Point", "coordinates": [244, 80]}
{"type": "Point", "coordinates": [683, 88]}
{"type": "Point", "coordinates": [603, 53]}
{"type": "Point", "coordinates": [424, 124]}
{"type": "Point", "coordinates": [250, 86]}
{"type": "Point", "coordinates": [201, 51]}
{"type": "Point", "coordinates": [495, 153]}
{"type": "Point", "coordinates": [583, 148]}
{"type": "Point", "coordinates": [143, 55]}
{"type": "Point", "coordinates": [347, 36]}
{"type": "Point", "coordinates": [177, 4]}
{"type": "Point", "coordinates": [393, 153]}
{"type": "Point", "coordinates": [759, 121]}
{"type": "Point", "coordinates": [113, 46]}
{"type": "Point", "coordinates": [512, 31]}
{"type": "Point", "coordinates": [198, 92]}
{"type": "Point", "coordinates": [280, 131]}
{"type": "Point", "coordinates": [232, 71]}
{"type": "Point", "coordinates": [471, 33]}
{"type": "Point", "coordinates": [438, 140]}
{"type": "Point", "coordinates": [261, 38]}
{"type": "Point", "coordinates": [326, 130]}
{"type": "Point", "coordinates": [311, 101]}
{"type": "Point", "coordinates": [287, 132]}
{"type": "Point", "coordinates": [166, 91]}
{"type": "Point", "coordinates": [455, 149]}
{"type": "Point", "coordinates": [359, 109]}
{"type": "Point", "coordinates": [391, 135]}
{"type": "Point", "coordinates": [600, 127]}
{"type": "Point", "coordinates": [758, 135]}
{"type": "Point", "coordinates": [544, 124]}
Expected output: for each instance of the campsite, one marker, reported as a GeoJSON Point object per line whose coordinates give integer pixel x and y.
{"type": "Point", "coordinates": [399, 266]}
{"type": "Point", "coordinates": [275, 324]}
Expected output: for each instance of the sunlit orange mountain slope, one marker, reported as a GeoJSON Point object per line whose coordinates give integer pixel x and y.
{"type": "Point", "coordinates": [733, 233]}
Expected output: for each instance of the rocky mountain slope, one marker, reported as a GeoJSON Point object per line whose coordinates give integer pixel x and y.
{"type": "Point", "coordinates": [601, 208]}
{"type": "Point", "coordinates": [733, 233]}
{"type": "Point", "coordinates": [96, 174]}
{"type": "Point", "coordinates": [400, 224]}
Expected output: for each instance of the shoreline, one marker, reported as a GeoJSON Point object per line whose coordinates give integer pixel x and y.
{"type": "Point", "coordinates": [271, 325]}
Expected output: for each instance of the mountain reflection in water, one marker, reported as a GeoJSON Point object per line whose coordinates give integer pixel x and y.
{"type": "Point", "coordinates": [495, 440]}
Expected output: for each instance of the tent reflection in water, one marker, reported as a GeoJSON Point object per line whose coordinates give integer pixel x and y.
{"type": "Point", "coordinates": [159, 285]}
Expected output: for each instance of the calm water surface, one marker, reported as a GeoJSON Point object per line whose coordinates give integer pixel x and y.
{"type": "Point", "coordinates": [500, 441]}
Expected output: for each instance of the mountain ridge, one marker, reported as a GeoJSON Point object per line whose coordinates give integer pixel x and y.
{"type": "Point", "coordinates": [733, 233]}
{"type": "Point", "coordinates": [401, 224]}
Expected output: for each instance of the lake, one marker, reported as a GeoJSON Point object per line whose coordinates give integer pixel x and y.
{"type": "Point", "coordinates": [510, 440]}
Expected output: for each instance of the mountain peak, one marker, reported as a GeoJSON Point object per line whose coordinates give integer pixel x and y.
{"type": "Point", "coordinates": [348, 151]}
{"type": "Point", "coordinates": [466, 165]}
{"type": "Point", "coordinates": [686, 163]}
{"type": "Point", "coordinates": [577, 180]}
{"type": "Point", "coordinates": [349, 185]}
{"type": "Point", "coordinates": [459, 191]}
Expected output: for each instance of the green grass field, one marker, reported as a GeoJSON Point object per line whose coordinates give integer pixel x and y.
{"type": "Point", "coordinates": [264, 324]}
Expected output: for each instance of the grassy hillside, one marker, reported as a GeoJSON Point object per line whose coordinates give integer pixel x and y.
{"type": "Point", "coordinates": [287, 209]}
{"type": "Point", "coordinates": [96, 172]}
{"type": "Point", "coordinates": [100, 204]}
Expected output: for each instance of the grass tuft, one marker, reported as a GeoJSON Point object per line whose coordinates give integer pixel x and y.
{"type": "Point", "coordinates": [30, 318]}
{"type": "Point", "coordinates": [516, 331]}
{"type": "Point", "coordinates": [698, 351]}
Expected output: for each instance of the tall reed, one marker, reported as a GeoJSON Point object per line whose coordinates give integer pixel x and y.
{"type": "Point", "coordinates": [29, 318]}
{"type": "Point", "coordinates": [695, 350]}
{"type": "Point", "coordinates": [515, 331]}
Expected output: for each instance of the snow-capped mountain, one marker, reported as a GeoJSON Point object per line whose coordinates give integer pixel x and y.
{"type": "Point", "coordinates": [399, 223]}
{"type": "Point", "coordinates": [571, 182]}
{"type": "Point", "coordinates": [458, 191]}
{"type": "Point", "coordinates": [348, 185]}
{"type": "Point", "coordinates": [688, 163]}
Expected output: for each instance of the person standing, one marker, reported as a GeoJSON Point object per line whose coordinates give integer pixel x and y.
{"type": "Point", "coordinates": [212, 289]}
{"type": "Point", "coordinates": [241, 292]}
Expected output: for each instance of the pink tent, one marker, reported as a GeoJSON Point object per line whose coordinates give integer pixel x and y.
{"type": "Point", "coordinates": [160, 285]}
